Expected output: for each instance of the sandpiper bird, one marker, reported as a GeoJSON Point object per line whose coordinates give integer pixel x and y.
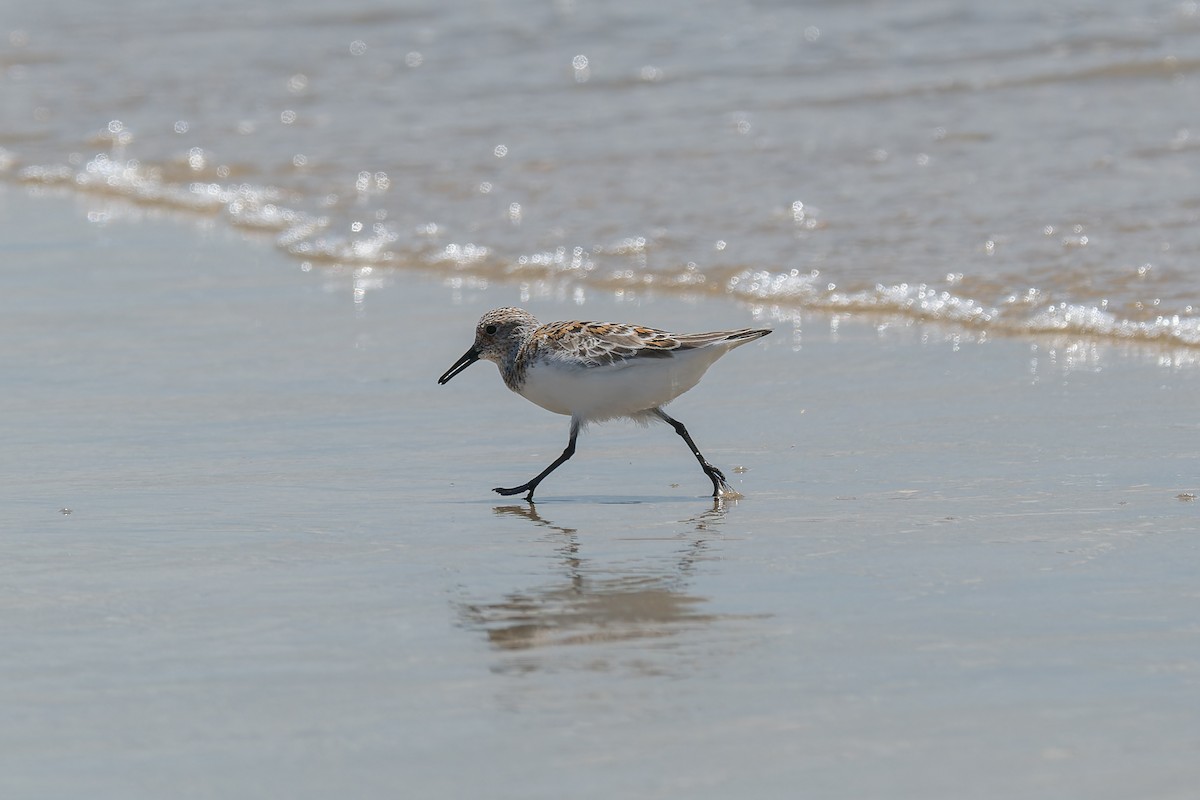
{"type": "Point", "coordinates": [594, 371]}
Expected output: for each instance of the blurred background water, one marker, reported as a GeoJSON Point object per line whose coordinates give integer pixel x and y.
{"type": "Point", "coordinates": [1004, 167]}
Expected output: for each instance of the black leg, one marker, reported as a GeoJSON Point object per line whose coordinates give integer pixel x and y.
{"type": "Point", "coordinates": [558, 462]}
{"type": "Point", "coordinates": [715, 475]}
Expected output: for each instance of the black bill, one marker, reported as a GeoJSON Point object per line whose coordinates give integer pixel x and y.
{"type": "Point", "coordinates": [469, 358]}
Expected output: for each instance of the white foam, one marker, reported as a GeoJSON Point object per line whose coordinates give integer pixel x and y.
{"type": "Point", "coordinates": [925, 302]}
{"type": "Point", "coordinates": [311, 237]}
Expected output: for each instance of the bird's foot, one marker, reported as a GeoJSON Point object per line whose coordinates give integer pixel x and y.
{"type": "Point", "coordinates": [516, 490]}
{"type": "Point", "coordinates": [721, 487]}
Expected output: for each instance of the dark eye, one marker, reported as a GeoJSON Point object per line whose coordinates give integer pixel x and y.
{"type": "Point", "coordinates": [490, 330]}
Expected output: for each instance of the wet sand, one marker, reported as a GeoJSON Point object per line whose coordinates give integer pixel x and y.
{"type": "Point", "coordinates": [959, 569]}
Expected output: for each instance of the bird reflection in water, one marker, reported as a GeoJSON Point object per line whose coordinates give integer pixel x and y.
{"type": "Point", "coordinates": [591, 605]}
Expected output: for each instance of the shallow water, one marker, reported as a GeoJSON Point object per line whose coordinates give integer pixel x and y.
{"type": "Point", "coordinates": [1008, 168]}
{"type": "Point", "coordinates": [250, 548]}
{"type": "Point", "coordinates": [250, 545]}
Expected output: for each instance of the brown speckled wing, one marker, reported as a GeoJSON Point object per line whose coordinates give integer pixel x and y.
{"type": "Point", "coordinates": [596, 344]}
{"type": "Point", "coordinates": [604, 343]}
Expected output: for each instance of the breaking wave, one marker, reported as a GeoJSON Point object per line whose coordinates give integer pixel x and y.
{"type": "Point", "coordinates": [311, 237]}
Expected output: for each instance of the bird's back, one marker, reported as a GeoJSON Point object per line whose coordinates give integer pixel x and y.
{"type": "Point", "coordinates": [598, 371]}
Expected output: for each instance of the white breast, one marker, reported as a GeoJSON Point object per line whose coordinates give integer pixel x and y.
{"type": "Point", "coordinates": [619, 390]}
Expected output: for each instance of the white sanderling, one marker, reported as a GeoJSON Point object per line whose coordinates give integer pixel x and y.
{"type": "Point", "coordinates": [594, 371]}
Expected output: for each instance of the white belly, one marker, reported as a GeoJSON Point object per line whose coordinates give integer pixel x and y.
{"type": "Point", "coordinates": [619, 390]}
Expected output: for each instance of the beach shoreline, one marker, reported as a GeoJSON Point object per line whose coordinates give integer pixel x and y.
{"type": "Point", "coordinates": [250, 539]}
